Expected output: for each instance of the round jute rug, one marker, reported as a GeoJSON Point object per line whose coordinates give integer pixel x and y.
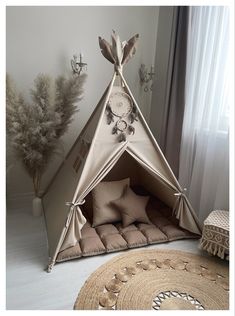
{"type": "Point", "coordinates": [159, 280]}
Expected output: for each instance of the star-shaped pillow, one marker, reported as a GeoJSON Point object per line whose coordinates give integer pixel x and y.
{"type": "Point", "coordinates": [132, 207]}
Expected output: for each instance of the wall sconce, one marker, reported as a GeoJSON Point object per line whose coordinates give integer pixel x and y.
{"type": "Point", "coordinates": [146, 77]}
{"type": "Point", "coordinates": [78, 66]}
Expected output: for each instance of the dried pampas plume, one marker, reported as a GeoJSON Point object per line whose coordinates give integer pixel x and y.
{"type": "Point", "coordinates": [34, 128]}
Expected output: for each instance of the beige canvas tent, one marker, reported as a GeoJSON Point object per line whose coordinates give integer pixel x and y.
{"type": "Point", "coordinates": [115, 142]}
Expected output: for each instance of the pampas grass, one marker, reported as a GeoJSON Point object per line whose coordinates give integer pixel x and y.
{"type": "Point", "coordinates": [35, 128]}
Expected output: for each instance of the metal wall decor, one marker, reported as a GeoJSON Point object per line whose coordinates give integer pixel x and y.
{"type": "Point", "coordinates": [121, 106]}
{"type": "Point", "coordinates": [78, 65]}
{"type": "Point", "coordinates": [146, 77]}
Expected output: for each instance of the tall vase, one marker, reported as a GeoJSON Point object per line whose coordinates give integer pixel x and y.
{"type": "Point", "coordinates": [37, 202]}
{"type": "Point", "coordinates": [37, 207]}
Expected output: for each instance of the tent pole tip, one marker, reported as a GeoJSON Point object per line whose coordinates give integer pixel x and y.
{"type": "Point", "coordinates": [50, 266]}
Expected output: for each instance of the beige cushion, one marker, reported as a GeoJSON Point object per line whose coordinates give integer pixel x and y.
{"type": "Point", "coordinates": [154, 235]}
{"type": "Point", "coordinates": [134, 238]}
{"type": "Point", "coordinates": [70, 253]}
{"type": "Point", "coordinates": [142, 227]}
{"type": "Point", "coordinates": [173, 232]}
{"type": "Point", "coordinates": [91, 245]}
{"type": "Point", "coordinates": [132, 207]}
{"type": "Point", "coordinates": [86, 225]}
{"type": "Point", "coordinates": [160, 221]}
{"type": "Point", "coordinates": [102, 195]}
{"type": "Point", "coordinates": [88, 232]}
{"type": "Point", "coordinates": [114, 242]}
{"type": "Point", "coordinates": [125, 229]}
{"type": "Point", "coordinates": [107, 229]}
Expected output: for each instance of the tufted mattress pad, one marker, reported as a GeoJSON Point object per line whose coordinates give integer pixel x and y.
{"type": "Point", "coordinates": [113, 237]}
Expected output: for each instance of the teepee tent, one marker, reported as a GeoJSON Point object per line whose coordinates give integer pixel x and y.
{"type": "Point", "coordinates": [116, 127]}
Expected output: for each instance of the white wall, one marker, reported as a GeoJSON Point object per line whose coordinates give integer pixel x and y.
{"type": "Point", "coordinates": [44, 39]}
{"type": "Point", "coordinates": [162, 68]}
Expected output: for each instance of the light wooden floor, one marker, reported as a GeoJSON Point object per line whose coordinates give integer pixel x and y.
{"type": "Point", "coordinates": [29, 287]}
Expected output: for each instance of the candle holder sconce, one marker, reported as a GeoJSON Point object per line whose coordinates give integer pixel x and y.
{"type": "Point", "coordinates": [78, 65]}
{"type": "Point", "coordinates": [146, 77]}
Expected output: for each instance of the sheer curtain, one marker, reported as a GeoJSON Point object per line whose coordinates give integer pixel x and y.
{"type": "Point", "coordinates": [204, 155]}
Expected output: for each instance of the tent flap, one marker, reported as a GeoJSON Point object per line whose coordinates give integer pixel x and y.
{"type": "Point", "coordinates": [74, 228]}
{"type": "Point", "coordinates": [182, 208]}
{"type": "Point", "coordinates": [77, 219]}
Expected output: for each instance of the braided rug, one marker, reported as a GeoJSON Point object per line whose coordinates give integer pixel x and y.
{"type": "Point", "coordinates": [158, 280]}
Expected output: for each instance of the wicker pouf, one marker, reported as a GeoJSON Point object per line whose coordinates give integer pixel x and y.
{"type": "Point", "coordinates": [215, 234]}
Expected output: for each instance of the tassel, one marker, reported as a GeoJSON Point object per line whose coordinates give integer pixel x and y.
{"type": "Point", "coordinates": [131, 129]}
{"type": "Point", "coordinates": [110, 118]}
{"type": "Point", "coordinates": [133, 117]}
{"type": "Point", "coordinates": [135, 111]}
{"type": "Point", "coordinates": [122, 137]}
{"type": "Point", "coordinates": [114, 130]}
{"type": "Point", "coordinates": [212, 248]}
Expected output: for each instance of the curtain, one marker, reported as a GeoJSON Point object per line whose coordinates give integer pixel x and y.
{"type": "Point", "coordinates": [175, 94]}
{"type": "Point", "coordinates": [204, 154]}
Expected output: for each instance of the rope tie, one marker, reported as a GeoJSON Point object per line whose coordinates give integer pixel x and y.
{"type": "Point", "coordinates": [179, 196]}
{"type": "Point", "coordinates": [75, 204]}
{"type": "Point", "coordinates": [81, 218]}
{"type": "Point", "coordinates": [181, 192]}
{"type": "Point", "coordinates": [118, 68]}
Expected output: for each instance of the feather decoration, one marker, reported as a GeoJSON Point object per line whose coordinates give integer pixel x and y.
{"type": "Point", "coordinates": [106, 50]}
{"type": "Point", "coordinates": [131, 129]}
{"type": "Point", "coordinates": [110, 118]}
{"type": "Point", "coordinates": [117, 49]}
{"type": "Point", "coordinates": [118, 53]}
{"type": "Point", "coordinates": [122, 137]}
{"type": "Point", "coordinates": [135, 110]}
{"type": "Point", "coordinates": [115, 130]}
{"type": "Point", "coordinates": [108, 108]}
{"type": "Point", "coordinates": [133, 117]}
{"type": "Point", "coordinates": [129, 49]}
